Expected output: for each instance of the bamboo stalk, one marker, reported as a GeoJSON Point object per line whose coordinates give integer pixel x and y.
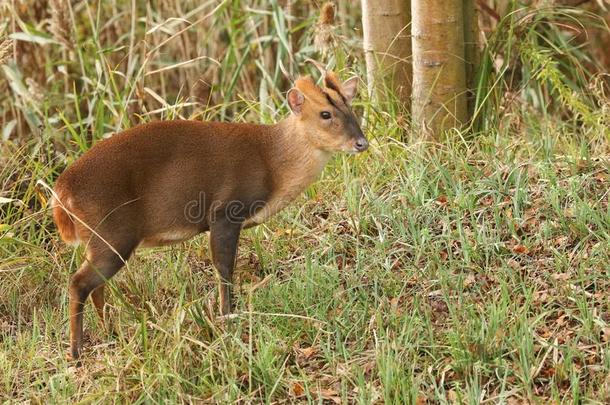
{"type": "Point", "coordinates": [439, 71]}
{"type": "Point", "coordinates": [387, 47]}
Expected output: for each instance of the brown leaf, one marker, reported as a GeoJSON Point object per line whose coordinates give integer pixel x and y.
{"type": "Point", "coordinates": [368, 367]}
{"type": "Point", "coordinates": [545, 332]}
{"type": "Point", "coordinates": [308, 352]}
{"type": "Point", "coordinates": [397, 305]}
{"type": "Point", "coordinates": [441, 200]}
{"type": "Point", "coordinates": [561, 241]}
{"type": "Point", "coordinates": [487, 201]}
{"type": "Point", "coordinates": [547, 372]}
{"type": "Point", "coordinates": [520, 249]}
{"type": "Point", "coordinates": [421, 400]}
{"type": "Point", "coordinates": [561, 276]}
{"type": "Point", "coordinates": [562, 320]}
{"type": "Point", "coordinates": [600, 177]}
{"type": "Point", "coordinates": [531, 223]}
{"type": "Point", "coordinates": [469, 280]}
{"type": "Point", "coordinates": [297, 389]}
{"type": "Point", "coordinates": [439, 307]}
{"type": "Point", "coordinates": [397, 265]}
{"type": "Point", "coordinates": [541, 297]}
{"type": "Point", "coordinates": [329, 394]}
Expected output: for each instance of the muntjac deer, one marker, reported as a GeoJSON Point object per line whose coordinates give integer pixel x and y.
{"type": "Point", "coordinates": [167, 181]}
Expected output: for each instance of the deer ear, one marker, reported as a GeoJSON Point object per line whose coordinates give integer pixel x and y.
{"type": "Point", "coordinates": [295, 100]}
{"type": "Point", "coordinates": [350, 88]}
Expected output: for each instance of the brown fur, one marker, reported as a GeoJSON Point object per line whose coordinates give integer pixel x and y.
{"type": "Point", "coordinates": [331, 81]}
{"type": "Point", "coordinates": [165, 182]}
{"type": "Point", "coordinates": [64, 223]}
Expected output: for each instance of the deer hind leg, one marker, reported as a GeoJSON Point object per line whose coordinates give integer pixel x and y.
{"type": "Point", "coordinates": [97, 297]}
{"type": "Point", "coordinates": [99, 302]}
{"type": "Point", "coordinates": [94, 272]}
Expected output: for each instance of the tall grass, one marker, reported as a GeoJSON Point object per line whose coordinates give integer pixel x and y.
{"type": "Point", "coordinates": [473, 270]}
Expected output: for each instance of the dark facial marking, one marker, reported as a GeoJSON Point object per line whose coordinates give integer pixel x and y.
{"type": "Point", "coordinates": [333, 86]}
{"type": "Point", "coordinates": [330, 100]}
{"type": "Point", "coordinates": [346, 115]}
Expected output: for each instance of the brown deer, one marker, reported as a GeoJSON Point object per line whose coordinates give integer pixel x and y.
{"type": "Point", "coordinates": [167, 181]}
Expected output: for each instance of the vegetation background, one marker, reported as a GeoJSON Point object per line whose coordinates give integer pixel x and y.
{"type": "Point", "coordinates": [469, 269]}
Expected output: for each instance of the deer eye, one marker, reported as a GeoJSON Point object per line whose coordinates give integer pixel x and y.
{"type": "Point", "coordinates": [325, 115]}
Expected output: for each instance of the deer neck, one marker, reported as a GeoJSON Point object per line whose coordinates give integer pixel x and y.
{"type": "Point", "coordinates": [294, 165]}
{"type": "Point", "coordinates": [298, 163]}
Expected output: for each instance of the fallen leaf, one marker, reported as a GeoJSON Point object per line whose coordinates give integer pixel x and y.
{"type": "Point", "coordinates": [487, 201]}
{"type": "Point", "coordinates": [561, 276]}
{"type": "Point", "coordinates": [561, 241]}
{"type": "Point", "coordinates": [297, 389]}
{"type": "Point", "coordinates": [562, 320]}
{"type": "Point", "coordinates": [329, 394]}
{"type": "Point", "coordinates": [439, 307]}
{"type": "Point", "coordinates": [469, 280]}
{"type": "Point", "coordinates": [307, 352]}
{"type": "Point", "coordinates": [600, 177]}
{"type": "Point", "coordinates": [369, 367]}
{"type": "Point", "coordinates": [397, 305]}
{"type": "Point", "coordinates": [520, 249]}
{"type": "Point", "coordinates": [441, 200]}
{"type": "Point", "coordinates": [541, 297]}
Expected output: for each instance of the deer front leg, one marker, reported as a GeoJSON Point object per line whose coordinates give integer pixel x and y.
{"type": "Point", "coordinates": [224, 237]}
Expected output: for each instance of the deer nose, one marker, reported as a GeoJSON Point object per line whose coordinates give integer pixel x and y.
{"type": "Point", "coordinates": [361, 145]}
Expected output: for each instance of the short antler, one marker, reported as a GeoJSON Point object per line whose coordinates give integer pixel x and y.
{"type": "Point", "coordinates": [318, 65]}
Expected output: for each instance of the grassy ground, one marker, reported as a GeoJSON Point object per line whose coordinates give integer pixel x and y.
{"type": "Point", "coordinates": [470, 270]}
{"type": "Point", "coordinates": [459, 273]}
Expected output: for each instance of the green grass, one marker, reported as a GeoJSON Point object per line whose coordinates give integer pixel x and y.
{"type": "Point", "coordinates": [378, 289]}
{"type": "Point", "coordinates": [476, 269]}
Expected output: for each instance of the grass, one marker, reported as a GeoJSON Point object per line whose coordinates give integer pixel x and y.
{"type": "Point", "coordinates": [468, 271]}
